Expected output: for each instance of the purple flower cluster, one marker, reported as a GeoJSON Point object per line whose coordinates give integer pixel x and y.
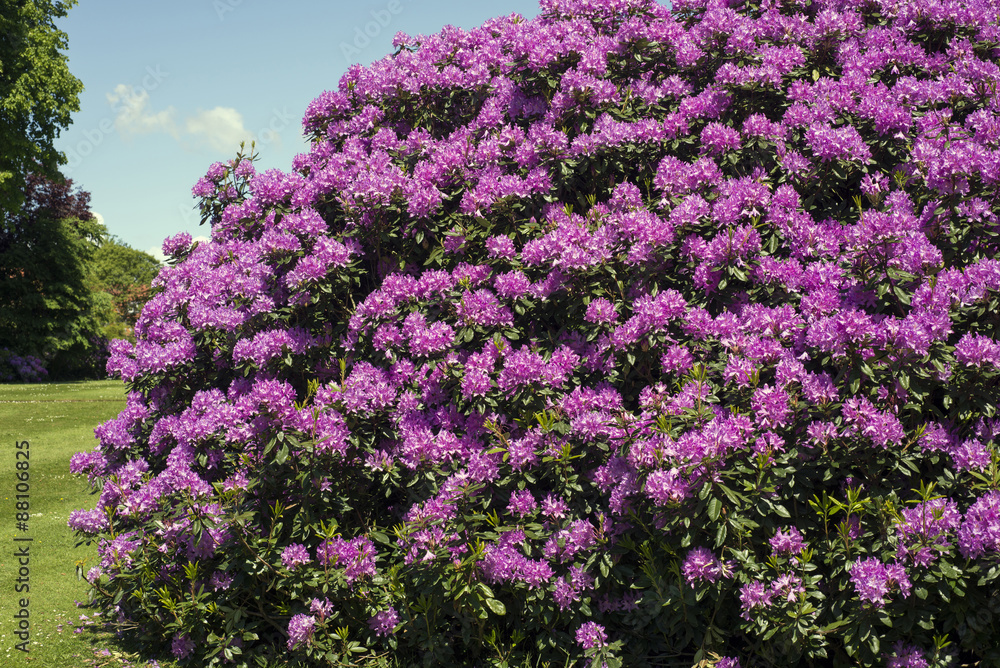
{"type": "Point", "coordinates": [544, 273]}
{"type": "Point", "coordinates": [355, 556]}
{"type": "Point", "coordinates": [701, 564]}
{"type": "Point", "coordinates": [300, 630]}
{"type": "Point", "coordinates": [925, 530]}
{"type": "Point", "coordinates": [384, 622]}
{"type": "Point", "coordinates": [873, 580]}
{"type": "Point", "coordinates": [980, 530]}
{"type": "Point", "coordinates": [787, 542]}
{"type": "Point", "coordinates": [295, 555]}
{"type": "Point", "coordinates": [182, 646]}
{"type": "Point", "coordinates": [591, 635]}
{"type": "Point", "coordinates": [906, 656]}
{"type": "Point", "coordinates": [506, 562]}
{"type": "Point", "coordinates": [21, 368]}
{"type": "Point", "coordinates": [756, 595]}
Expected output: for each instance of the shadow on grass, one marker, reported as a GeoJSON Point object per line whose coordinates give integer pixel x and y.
{"type": "Point", "coordinates": [113, 650]}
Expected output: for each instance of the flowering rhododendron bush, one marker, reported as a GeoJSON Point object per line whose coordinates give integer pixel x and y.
{"type": "Point", "coordinates": [626, 335]}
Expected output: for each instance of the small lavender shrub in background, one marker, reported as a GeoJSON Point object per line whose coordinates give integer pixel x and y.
{"type": "Point", "coordinates": [21, 368]}
{"type": "Point", "coordinates": [626, 335]}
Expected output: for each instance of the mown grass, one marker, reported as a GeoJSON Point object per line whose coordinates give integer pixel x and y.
{"type": "Point", "coordinates": [57, 420]}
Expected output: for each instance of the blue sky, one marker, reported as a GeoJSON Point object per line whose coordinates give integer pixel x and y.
{"type": "Point", "coordinates": [171, 87]}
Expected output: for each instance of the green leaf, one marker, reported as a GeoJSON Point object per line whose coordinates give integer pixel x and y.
{"type": "Point", "coordinates": [496, 606]}
{"type": "Point", "coordinates": [950, 571]}
{"type": "Point", "coordinates": [714, 508]}
{"type": "Point", "coordinates": [835, 625]}
{"type": "Point", "coordinates": [720, 534]}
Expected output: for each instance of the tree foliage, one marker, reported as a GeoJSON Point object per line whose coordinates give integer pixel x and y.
{"type": "Point", "coordinates": [44, 298]}
{"type": "Point", "coordinates": [37, 94]}
{"type": "Point", "coordinates": [68, 286]}
{"type": "Point", "coordinates": [120, 279]}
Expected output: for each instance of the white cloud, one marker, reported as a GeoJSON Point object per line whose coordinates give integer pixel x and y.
{"type": "Point", "coordinates": [221, 127]}
{"type": "Point", "coordinates": [133, 116]}
{"type": "Point", "coordinates": [157, 253]}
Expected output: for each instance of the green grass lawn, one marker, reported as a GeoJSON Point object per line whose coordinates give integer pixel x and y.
{"type": "Point", "coordinates": [57, 420]}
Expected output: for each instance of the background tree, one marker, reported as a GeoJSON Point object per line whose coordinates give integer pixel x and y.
{"type": "Point", "coordinates": [37, 93]}
{"type": "Point", "coordinates": [119, 277]}
{"type": "Point", "coordinates": [68, 286]}
{"type": "Point", "coordinates": [44, 299]}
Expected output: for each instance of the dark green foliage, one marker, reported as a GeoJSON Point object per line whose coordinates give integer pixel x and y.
{"type": "Point", "coordinates": [44, 300]}
{"type": "Point", "coordinates": [119, 277]}
{"type": "Point", "coordinates": [37, 93]}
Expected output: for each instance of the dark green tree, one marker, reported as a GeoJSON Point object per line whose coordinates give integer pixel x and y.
{"type": "Point", "coordinates": [119, 277]}
{"type": "Point", "coordinates": [45, 302]}
{"type": "Point", "coordinates": [37, 94]}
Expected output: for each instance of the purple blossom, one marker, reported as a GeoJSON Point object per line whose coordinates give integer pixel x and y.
{"type": "Point", "coordinates": [863, 419]}
{"type": "Point", "coordinates": [874, 580]}
{"type": "Point", "coordinates": [971, 454]}
{"type": "Point", "coordinates": [88, 521]}
{"type": "Point", "coordinates": [591, 635]}
{"type": "Point", "coordinates": [666, 487]}
{"type": "Point", "coordinates": [701, 564]}
{"type": "Point", "coordinates": [601, 311]}
{"type": "Point", "coordinates": [906, 656]}
{"type": "Point", "coordinates": [483, 308]}
{"type": "Point", "coordinates": [220, 581]}
{"type": "Point", "coordinates": [181, 646]}
{"type": "Point", "coordinates": [753, 595]}
{"type": "Point", "coordinates": [677, 359]}
{"type": "Point", "coordinates": [788, 586]}
{"type": "Point", "coordinates": [717, 138]}
{"type": "Point", "coordinates": [501, 247]}
{"type": "Point", "coordinates": [505, 562]}
{"type": "Point", "coordinates": [980, 530]}
{"type": "Point", "coordinates": [844, 143]}
{"type": "Point", "coordinates": [384, 622]}
{"type": "Point", "coordinates": [977, 350]}
{"type": "Point", "coordinates": [295, 555]}
{"type": "Point", "coordinates": [355, 556]}
{"type": "Point", "coordinates": [770, 406]}
{"type": "Point", "coordinates": [553, 507]}
{"type": "Point", "coordinates": [570, 588]}
{"type": "Point", "coordinates": [426, 339]}
{"type": "Point", "coordinates": [565, 544]}
{"type": "Point", "coordinates": [321, 608]}
{"type": "Point", "coordinates": [300, 630]}
{"type": "Point", "coordinates": [787, 542]}
{"type": "Point", "coordinates": [511, 285]}
{"type": "Point", "coordinates": [177, 244]}
{"type": "Point", "coordinates": [924, 530]}
{"type": "Point", "coordinates": [522, 503]}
